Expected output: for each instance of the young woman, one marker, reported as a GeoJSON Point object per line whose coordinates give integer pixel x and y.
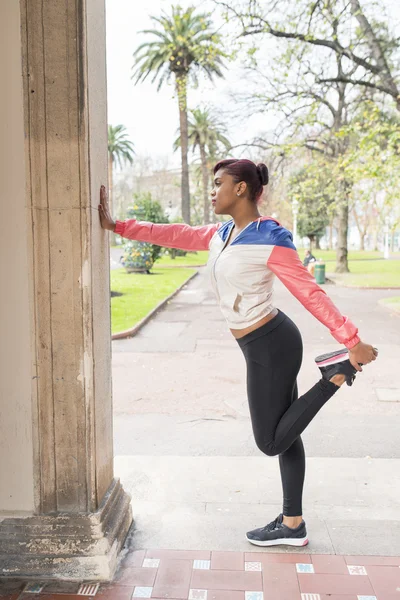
{"type": "Point", "coordinates": [245, 254]}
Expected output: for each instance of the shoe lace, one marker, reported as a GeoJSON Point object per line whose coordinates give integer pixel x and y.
{"type": "Point", "coordinates": [271, 526]}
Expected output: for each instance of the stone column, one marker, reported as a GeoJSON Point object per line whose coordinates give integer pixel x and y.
{"type": "Point", "coordinates": [68, 516]}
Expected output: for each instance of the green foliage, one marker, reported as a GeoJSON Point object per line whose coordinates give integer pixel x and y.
{"type": "Point", "coordinates": [137, 256]}
{"type": "Point", "coordinates": [120, 149]}
{"type": "Point", "coordinates": [204, 130]}
{"type": "Point", "coordinates": [314, 188]}
{"type": "Point", "coordinates": [146, 209]}
{"type": "Point", "coordinates": [184, 44]}
{"type": "Point", "coordinates": [372, 161]}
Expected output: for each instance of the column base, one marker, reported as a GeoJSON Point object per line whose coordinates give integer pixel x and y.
{"type": "Point", "coordinates": [67, 546]}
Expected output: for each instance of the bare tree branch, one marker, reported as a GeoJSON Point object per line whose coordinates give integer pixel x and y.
{"type": "Point", "coordinates": [369, 84]}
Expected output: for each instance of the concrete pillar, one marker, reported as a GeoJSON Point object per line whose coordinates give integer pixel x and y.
{"type": "Point", "coordinates": [62, 513]}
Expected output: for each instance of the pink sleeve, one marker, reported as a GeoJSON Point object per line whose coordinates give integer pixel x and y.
{"type": "Point", "coordinates": [287, 266]}
{"type": "Point", "coordinates": [170, 235]}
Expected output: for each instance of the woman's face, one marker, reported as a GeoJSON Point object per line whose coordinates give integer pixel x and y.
{"type": "Point", "coordinates": [224, 193]}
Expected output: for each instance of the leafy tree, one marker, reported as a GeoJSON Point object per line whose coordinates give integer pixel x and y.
{"type": "Point", "coordinates": [323, 70]}
{"type": "Point", "coordinates": [206, 134]}
{"type": "Point", "coordinates": [314, 188]}
{"type": "Point", "coordinates": [120, 151]}
{"type": "Point", "coordinates": [184, 45]}
{"type": "Point", "coordinates": [372, 162]}
{"type": "Point", "coordinates": [146, 209]}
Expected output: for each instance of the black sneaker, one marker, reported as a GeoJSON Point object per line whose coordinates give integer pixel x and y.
{"type": "Point", "coordinates": [276, 533]}
{"type": "Point", "coordinates": [336, 363]}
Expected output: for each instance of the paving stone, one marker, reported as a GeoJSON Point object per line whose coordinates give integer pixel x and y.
{"type": "Point", "coordinates": [173, 578]}
{"type": "Point", "coordinates": [228, 561]}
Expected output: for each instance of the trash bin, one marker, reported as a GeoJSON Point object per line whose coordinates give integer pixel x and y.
{"type": "Point", "coordinates": [319, 272]}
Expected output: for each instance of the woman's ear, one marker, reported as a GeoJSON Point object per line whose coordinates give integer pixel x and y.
{"type": "Point", "coordinates": [242, 187]}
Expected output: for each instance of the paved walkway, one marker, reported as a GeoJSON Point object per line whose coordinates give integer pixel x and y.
{"type": "Point", "coordinates": [205, 575]}
{"type": "Point", "coordinates": [185, 450]}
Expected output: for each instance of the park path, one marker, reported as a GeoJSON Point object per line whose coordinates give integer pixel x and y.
{"type": "Point", "coordinates": [185, 450]}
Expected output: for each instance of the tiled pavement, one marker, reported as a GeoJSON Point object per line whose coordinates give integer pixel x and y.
{"type": "Point", "coordinates": [204, 575]}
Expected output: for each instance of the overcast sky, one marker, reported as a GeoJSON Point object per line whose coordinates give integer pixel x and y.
{"type": "Point", "coordinates": [152, 117]}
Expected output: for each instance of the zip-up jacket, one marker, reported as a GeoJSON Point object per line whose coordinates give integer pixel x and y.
{"type": "Point", "coordinates": [242, 273]}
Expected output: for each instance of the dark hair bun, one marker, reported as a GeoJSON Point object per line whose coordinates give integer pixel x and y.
{"type": "Point", "coordinates": [263, 173]}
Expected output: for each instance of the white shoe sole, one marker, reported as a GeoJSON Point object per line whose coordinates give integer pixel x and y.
{"type": "Point", "coordinates": [283, 541]}
{"type": "Point", "coordinates": [333, 359]}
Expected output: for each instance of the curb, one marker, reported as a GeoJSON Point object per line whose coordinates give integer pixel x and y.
{"type": "Point", "coordinates": [134, 330]}
{"type": "Point", "coordinates": [182, 266]}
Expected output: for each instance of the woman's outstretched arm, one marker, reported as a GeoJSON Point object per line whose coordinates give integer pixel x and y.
{"type": "Point", "coordinates": [170, 235]}
{"type": "Point", "coordinates": [285, 263]}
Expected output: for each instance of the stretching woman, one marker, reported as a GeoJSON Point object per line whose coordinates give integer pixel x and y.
{"type": "Point", "coordinates": [245, 254]}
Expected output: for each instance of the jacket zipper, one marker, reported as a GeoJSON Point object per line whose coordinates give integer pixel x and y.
{"type": "Point", "coordinates": [227, 240]}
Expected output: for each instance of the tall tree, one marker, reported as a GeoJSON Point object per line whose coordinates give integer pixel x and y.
{"type": "Point", "coordinates": [309, 89]}
{"type": "Point", "coordinates": [120, 152]}
{"type": "Point", "coordinates": [184, 45]}
{"type": "Point", "coordinates": [314, 187]}
{"type": "Point", "coordinates": [206, 134]}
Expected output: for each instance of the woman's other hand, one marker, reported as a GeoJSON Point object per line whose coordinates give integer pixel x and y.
{"type": "Point", "coordinates": [104, 211]}
{"type": "Point", "coordinates": [362, 353]}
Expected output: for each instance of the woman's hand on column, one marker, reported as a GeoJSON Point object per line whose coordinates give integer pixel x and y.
{"type": "Point", "coordinates": [362, 354]}
{"type": "Point", "coordinates": [104, 211]}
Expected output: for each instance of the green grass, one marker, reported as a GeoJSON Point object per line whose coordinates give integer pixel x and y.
{"type": "Point", "coordinates": [367, 269]}
{"type": "Point", "coordinates": [190, 260]}
{"type": "Point", "coordinates": [142, 293]}
{"type": "Point", "coordinates": [354, 255]}
{"type": "Point", "coordinates": [393, 303]}
{"type": "Point", "coordinates": [369, 273]}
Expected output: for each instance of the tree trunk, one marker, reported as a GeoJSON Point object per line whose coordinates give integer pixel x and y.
{"type": "Point", "coordinates": [183, 126]}
{"type": "Point", "coordinates": [360, 229]}
{"type": "Point", "coordinates": [375, 244]}
{"type": "Point", "coordinates": [331, 235]}
{"type": "Point", "coordinates": [206, 197]}
{"type": "Point", "coordinates": [342, 265]}
{"type": "Point", "coordinates": [391, 239]}
{"type": "Point", "coordinates": [317, 244]}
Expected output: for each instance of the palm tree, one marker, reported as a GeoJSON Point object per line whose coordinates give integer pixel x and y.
{"type": "Point", "coordinates": [120, 151]}
{"type": "Point", "coordinates": [183, 46]}
{"type": "Point", "coordinates": [206, 134]}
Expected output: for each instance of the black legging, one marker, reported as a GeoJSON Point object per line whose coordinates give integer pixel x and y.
{"type": "Point", "coordinates": [273, 355]}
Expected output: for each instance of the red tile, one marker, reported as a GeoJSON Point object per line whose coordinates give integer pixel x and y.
{"type": "Point", "coordinates": [134, 559]}
{"type": "Point", "coordinates": [329, 563]}
{"type": "Point", "coordinates": [388, 561]}
{"type": "Point", "coordinates": [280, 581]}
{"type": "Point", "coordinates": [273, 558]}
{"type": "Point", "coordinates": [226, 580]}
{"type": "Point", "coordinates": [10, 596]}
{"type": "Point", "coordinates": [113, 592]}
{"type": "Point", "coordinates": [335, 584]}
{"type": "Point", "coordinates": [228, 561]}
{"type": "Point", "coordinates": [338, 597]}
{"type": "Point", "coordinates": [173, 579]}
{"type": "Point", "coordinates": [225, 595]}
{"type": "Point", "coordinates": [136, 576]}
{"type": "Point", "coordinates": [179, 554]}
{"type": "Point", "coordinates": [385, 580]}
